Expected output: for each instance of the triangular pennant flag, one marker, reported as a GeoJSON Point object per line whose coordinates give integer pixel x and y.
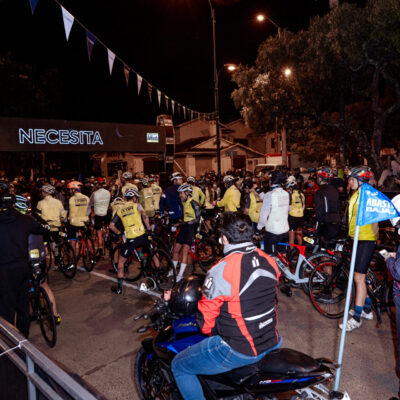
{"type": "Point", "coordinates": [68, 21]}
{"type": "Point", "coordinates": [111, 58]}
{"type": "Point", "coordinates": [150, 88]}
{"type": "Point", "coordinates": [159, 97]}
{"type": "Point", "coordinates": [173, 105]}
{"type": "Point", "coordinates": [90, 41]}
{"type": "Point", "coordinates": [374, 206]}
{"type": "Point", "coordinates": [126, 72]}
{"type": "Point", "coordinates": [33, 5]}
{"type": "Point", "coordinates": [139, 83]}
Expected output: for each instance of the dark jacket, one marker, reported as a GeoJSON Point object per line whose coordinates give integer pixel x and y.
{"type": "Point", "coordinates": [327, 204]}
{"type": "Point", "coordinates": [173, 202]}
{"type": "Point", "coordinates": [15, 229]}
{"type": "Point", "coordinates": [238, 301]}
{"type": "Point", "coordinates": [393, 265]}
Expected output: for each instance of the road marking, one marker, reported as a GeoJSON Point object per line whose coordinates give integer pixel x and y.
{"type": "Point", "coordinates": [130, 285]}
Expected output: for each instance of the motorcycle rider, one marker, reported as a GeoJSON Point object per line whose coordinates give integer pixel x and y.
{"type": "Point", "coordinates": [237, 310]}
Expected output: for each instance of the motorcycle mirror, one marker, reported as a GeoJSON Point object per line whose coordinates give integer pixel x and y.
{"type": "Point", "coordinates": [147, 284]}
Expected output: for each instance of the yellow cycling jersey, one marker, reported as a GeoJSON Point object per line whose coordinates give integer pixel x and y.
{"type": "Point", "coordinates": [367, 232]}
{"type": "Point", "coordinates": [132, 220]}
{"type": "Point", "coordinates": [189, 212]}
{"type": "Point", "coordinates": [297, 201]}
{"type": "Point", "coordinates": [255, 206]}
{"type": "Point", "coordinates": [127, 186]}
{"type": "Point", "coordinates": [116, 205]}
{"type": "Point", "coordinates": [78, 209]}
{"type": "Point", "coordinates": [231, 199]}
{"type": "Point", "coordinates": [198, 195]}
{"type": "Point", "coordinates": [157, 192]}
{"type": "Point", "coordinates": [52, 211]}
{"type": "Point", "coordinates": [209, 199]}
{"type": "Point", "coordinates": [146, 200]}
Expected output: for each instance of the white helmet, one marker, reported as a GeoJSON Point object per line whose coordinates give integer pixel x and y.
{"type": "Point", "coordinates": [176, 175]}
{"type": "Point", "coordinates": [127, 175]}
{"type": "Point", "coordinates": [291, 181]}
{"type": "Point", "coordinates": [395, 221]}
{"type": "Point", "coordinates": [228, 178]}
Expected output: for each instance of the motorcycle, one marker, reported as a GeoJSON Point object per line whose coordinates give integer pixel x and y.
{"type": "Point", "coordinates": [280, 371]}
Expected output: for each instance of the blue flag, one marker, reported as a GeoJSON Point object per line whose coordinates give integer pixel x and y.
{"type": "Point", "coordinates": [374, 206]}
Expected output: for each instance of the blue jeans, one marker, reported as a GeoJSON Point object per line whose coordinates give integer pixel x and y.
{"type": "Point", "coordinates": [211, 356]}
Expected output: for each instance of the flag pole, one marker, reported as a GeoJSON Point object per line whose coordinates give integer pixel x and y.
{"type": "Point", "coordinates": [346, 308]}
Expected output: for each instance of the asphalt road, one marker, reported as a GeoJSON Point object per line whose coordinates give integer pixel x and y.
{"type": "Point", "coordinates": [97, 338]}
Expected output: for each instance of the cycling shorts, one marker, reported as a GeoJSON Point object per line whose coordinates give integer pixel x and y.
{"type": "Point", "coordinates": [99, 221]}
{"type": "Point", "coordinates": [186, 234]}
{"type": "Point", "coordinates": [131, 244]}
{"type": "Point", "coordinates": [365, 251]}
{"type": "Point", "coordinates": [72, 231]}
{"type": "Point", "coordinates": [295, 223]}
{"type": "Point", "coordinates": [271, 240]}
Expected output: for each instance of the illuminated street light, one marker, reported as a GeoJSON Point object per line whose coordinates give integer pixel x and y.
{"type": "Point", "coordinates": [260, 18]}
{"type": "Point", "coordinates": [230, 67]}
{"type": "Point", "coordinates": [287, 72]}
{"type": "Point", "coordinates": [263, 17]}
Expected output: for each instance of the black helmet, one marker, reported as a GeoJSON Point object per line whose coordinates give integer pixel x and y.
{"type": "Point", "coordinates": [325, 172]}
{"type": "Point", "coordinates": [185, 296]}
{"type": "Point", "coordinates": [277, 177]}
{"type": "Point", "coordinates": [362, 173]}
{"type": "Point", "coordinates": [7, 201]}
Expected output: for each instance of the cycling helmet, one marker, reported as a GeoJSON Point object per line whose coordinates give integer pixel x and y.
{"type": "Point", "coordinates": [152, 178]}
{"type": "Point", "coordinates": [74, 185]}
{"type": "Point", "coordinates": [127, 175]}
{"type": "Point", "coordinates": [190, 179]}
{"type": "Point", "coordinates": [277, 177]}
{"type": "Point", "coordinates": [144, 181]}
{"type": "Point", "coordinates": [185, 296]}
{"type": "Point", "coordinates": [176, 175]}
{"type": "Point", "coordinates": [48, 189]}
{"type": "Point", "coordinates": [129, 193]}
{"type": "Point", "coordinates": [4, 186]}
{"type": "Point", "coordinates": [396, 221]}
{"type": "Point", "coordinates": [185, 188]}
{"type": "Point", "coordinates": [228, 179]}
{"type": "Point", "coordinates": [325, 172]}
{"type": "Point", "coordinates": [7, 201]}
{"type": "Point", "coordinates": [21, 203]}
{"type": "Point", "coordinates": [362, 173]}
{"type": "Point", "coordinates": [291, 181]}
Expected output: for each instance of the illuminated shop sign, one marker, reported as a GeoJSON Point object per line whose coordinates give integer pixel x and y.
{"type": "Point", "coordinates": [62, 136]}
{"type": "Point", "coordinates": [152, 137]}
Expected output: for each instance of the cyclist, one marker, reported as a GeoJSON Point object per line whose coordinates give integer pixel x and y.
{"type": "Point", "coordinates": [157, 192]}
{"type": "Point", "coordinates": [51, 209]}
{"type": "Point", "coordinates": [99, 202]}
{"type": "Point", "coordinates": [198, 195]}
{"type": "Point", "coordinates": [365, 249]}
{"type": "Point", "coordinates": [132, 216]}
{"type": "Point", "coordinates": [237, 308]}
{"type": "Point", "coordinates": [191, 218]}
{"type": "Point", "coordinates": [327, 206]}
{"type": "Point", "coordinates": [231, 199]}
{"type": "Point", "coordinates": [296, 213]}
{"type": "Point", "coordinates": [37, 242]}
{"type": "Point", "coordinates": [274, 213]}
{"type": "Point", "coordinates": [78, 213]}
{"type": "Point", "coordinates": [126, 180]}
{"type": "Point", "coordinates": [172, 199]}
{"type": "Point", "coordinates": [253, 203]}
{"type": "Point", "coordinates": [147, 198]}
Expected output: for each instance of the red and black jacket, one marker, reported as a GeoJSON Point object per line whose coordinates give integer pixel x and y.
{"type": "Point", "coordinates": [238, 301]}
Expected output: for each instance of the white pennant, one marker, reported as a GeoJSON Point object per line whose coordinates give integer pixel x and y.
{"type": "Point", "coordinates": [159, 97]}
{"type": "Point", "coordinates": [139, 83]}
{"type": "Point", "coordinates": [68, 21]}
{"type": "Point", "coordinates": [111, 58]}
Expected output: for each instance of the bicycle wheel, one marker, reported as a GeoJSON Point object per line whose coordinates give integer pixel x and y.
{"type": "Point", "coordinates": [305, 269]}
{"type": "Point", "coordinates": [328, 287]}
{"type": "Point", "coordinates": [66, 260]}
{"type": "Point", "coordinates": [206, 252]}
{"type": "Point", "coordinates": [46, 318]}
{"type": "Point", "coordinates": [164, 274]}
{"type": "Point", "coordinates": [87, 254]}
{"type": "Point", "coordinates": [132, 266]}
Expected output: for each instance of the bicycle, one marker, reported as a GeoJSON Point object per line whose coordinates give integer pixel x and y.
{"type": "Point", "coordinates": [86, 249]}
{"type": "Point", "coordinates": [143, 263]}
{"type": "Point", "coordinates": [40, 304]}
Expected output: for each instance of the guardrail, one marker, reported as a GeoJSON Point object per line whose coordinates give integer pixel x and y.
{"type": "Point", "coordinates": [26, 373]}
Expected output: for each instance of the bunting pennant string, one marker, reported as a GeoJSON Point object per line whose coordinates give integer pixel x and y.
{"type": "Point", "coordinates": [68, 21]}
{"type": "Point", "coordinates": [111, 58]}
{"type": "Point", "coordinates": [91, 40]}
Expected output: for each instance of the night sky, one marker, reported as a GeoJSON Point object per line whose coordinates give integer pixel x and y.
{"type": "Point", "coordinates": [168, 42]}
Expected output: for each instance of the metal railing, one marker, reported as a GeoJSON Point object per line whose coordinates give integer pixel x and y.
{"type": "Point", "coordinates": [44, 379]}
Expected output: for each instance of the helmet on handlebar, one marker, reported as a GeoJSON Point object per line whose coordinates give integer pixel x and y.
{"type": "Point", "coordinates": [185, 296]}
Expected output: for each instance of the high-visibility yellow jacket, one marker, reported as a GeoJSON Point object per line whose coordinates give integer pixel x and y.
{"type": "Point", "coordinates": [231, 199]}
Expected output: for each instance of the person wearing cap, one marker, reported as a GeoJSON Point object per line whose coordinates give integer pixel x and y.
{"type": "Point", "coordinates": [191, 219]}
{"type": "Point", "coordinates": [146, 198]}
{"type": "Point", "coordinates": [99, 203]}
{"type": "Point", "coordinates": [170, 198]}
{"type": "Point", "coordinates": [296, 213]}
{"type": "Point", "coordinates": [198, 195]}
{"type": "Point", "coordinates": [78, 212]}
{"type": "Point", "coordinates": [231, 199]}
{"type": "Point", "coordinates": [135, 222]}
{"type": "Point", "coordinates": [126, 180]}
{"type": "Point", "coordinates": [365, 249]}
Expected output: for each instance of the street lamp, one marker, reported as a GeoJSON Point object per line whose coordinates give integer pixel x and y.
{"type": "Point", "coordinates": [263, 17]}
{"type": "Point", "coordinates": [287, 72]}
